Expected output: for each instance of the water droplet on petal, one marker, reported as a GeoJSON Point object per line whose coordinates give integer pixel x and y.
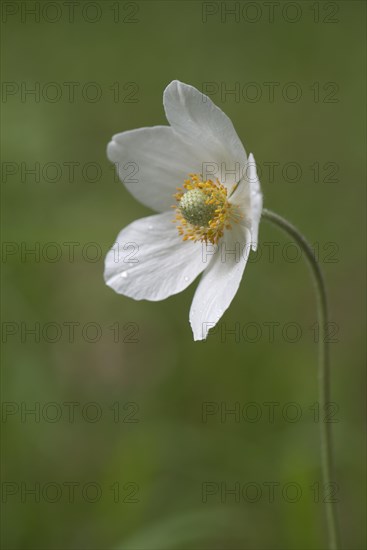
{"type": "Point", "coordinates": [150, 227]}
{"type": "Point", "coordinates": [124, 274]}
{"type": "Point", "coordinates": [186, 278]}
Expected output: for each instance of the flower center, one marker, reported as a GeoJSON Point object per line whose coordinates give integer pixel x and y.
{"type": "Point", "coordinates": [203, 211]}
{"type": "Point", "coordinates": [196, 208]}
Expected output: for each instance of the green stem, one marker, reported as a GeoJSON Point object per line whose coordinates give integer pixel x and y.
{"type": "Point", "coordinates": [324, 368]}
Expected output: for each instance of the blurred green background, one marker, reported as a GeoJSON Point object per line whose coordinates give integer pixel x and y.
{"type": "Point", "coordinates": [138, 452]}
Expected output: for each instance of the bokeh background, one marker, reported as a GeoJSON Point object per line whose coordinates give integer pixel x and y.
{"type": "Point", "coordinates": [130, 467]}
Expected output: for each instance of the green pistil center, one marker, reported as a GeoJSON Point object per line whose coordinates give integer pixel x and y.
{"type": "Point", "coordinates": [195, 208]}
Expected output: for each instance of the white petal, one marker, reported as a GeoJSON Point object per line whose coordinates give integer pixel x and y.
{"type": "Point", "coordinates": [219, 282]}
{"type": "Point", "coordinates": [151, 261]}
{"type": "Point", "coordinates": [249, 198]}
{"type": "Point", "coordinates": [256, 200]}
{"type": "Point", "coordinates": [152, 162]}
{"type": "Point", "coordinates": [203, 125]}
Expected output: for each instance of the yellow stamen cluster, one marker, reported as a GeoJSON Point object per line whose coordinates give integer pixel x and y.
{"type": "Point", "coordinates": [203, 211]}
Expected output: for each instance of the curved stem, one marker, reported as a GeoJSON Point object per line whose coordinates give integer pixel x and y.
{"type": "Point", "coordinates": [324, 368]}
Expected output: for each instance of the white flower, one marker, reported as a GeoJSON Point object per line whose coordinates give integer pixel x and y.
{"type": "Point", "coordinates": [216, 212]}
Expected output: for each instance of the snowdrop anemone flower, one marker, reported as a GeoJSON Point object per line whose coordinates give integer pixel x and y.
{"type": "Point", "coordinates": [199, 166]}
{"type": "Point", "coordinates": [199, 163]}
